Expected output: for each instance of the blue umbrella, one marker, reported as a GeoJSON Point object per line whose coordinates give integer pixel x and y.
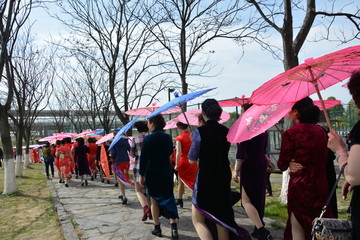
{"type": "Point", "coordinates": [121, 132]}
{"type": "Point", "coordinates": [97, 133]}
{"type": "Point", "coordinates": [178, 101]}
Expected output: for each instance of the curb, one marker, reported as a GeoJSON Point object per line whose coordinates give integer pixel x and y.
{"type": "Point", "coordinates": [63, 215]}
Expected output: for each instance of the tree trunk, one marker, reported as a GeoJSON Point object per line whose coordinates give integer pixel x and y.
{"type": "Point", "coordinates": [18, 166]}
{"type": "Point", "coordinates": [26, 151]}
{"type": "Point", "coordinates": [19, 138]}
{"type": "Point", "coordinates": [9, 176]}
{"type": "Point", "coordinates": [26, 161]}
{"type": "Point", "coordinates": [9, 164]}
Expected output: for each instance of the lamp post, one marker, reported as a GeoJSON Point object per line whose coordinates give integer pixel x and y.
{"type": "Point", "coordinates": [170, 90]}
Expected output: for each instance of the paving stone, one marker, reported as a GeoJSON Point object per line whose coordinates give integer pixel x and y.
{"type": "Point", "coordinates": [97, 213]}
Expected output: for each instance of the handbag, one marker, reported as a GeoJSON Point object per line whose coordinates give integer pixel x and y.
{"type": "Point", "coordinates": [331, 228]}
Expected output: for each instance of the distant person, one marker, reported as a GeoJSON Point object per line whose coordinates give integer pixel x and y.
{"type": "Point", "coordinates": [304, 150]}
{"type": "Point", "coordinates": [92, 157]}
{"type": "Point", "coordinates": [48, 160]}
{"type": "Point", "coordinates": [80, 154]}
{"type": "Point", "coordinates": [68, 143]}
{"type": "Point", "coordinates": [212, 203]}
{"type": "Point", "coordinates": [57, 163]}
{"type": "Point", "coordinates": [65, 158]}
{"type": "Point", "coordinates": [121, 164]}
{"type": "Point", "coordinates": [348, 140]}
{"type": "Point", "coordinates": [156, 174]}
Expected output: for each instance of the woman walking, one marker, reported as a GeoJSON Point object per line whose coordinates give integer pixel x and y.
{"type": "Point", "coordinates": [92, 157]}
{"type": "Point", "coordinates": [304, 146]}
{"type": "Point", "coordinates": [65, 158]}
{"type": "Point", "coordinates": [135, 152]}
{"type": "Point", "coordinates": [186, 171]}
{"type": "Point", "coordinates": [252, 163]}
{"type": "Point", "coordinates": [80, 151]}
{"type": "Point", "coordinates": [156, 174]}
{"type": "Point", "coordinates": [121, 165]}
{"type": "Point", "coordinates": [212, 194]}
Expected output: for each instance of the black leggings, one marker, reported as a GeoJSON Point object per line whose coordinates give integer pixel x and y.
{"type": "Point", "coordinates": [51, 164]}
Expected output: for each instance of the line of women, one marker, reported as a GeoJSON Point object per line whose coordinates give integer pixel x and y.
{"type": "Point", "coordinates": [209, 176]}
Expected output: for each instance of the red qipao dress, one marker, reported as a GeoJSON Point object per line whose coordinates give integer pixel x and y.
{"type": "Point", "coordinates": [92, 157]}
{"type": "Point", "coordinates": [306, 144]}
{"type": "Point", "coordinates": [186, 171]}
{"type": "Point", "coordinates": [53, 152]}
{"type": "Point", "coordinates": [65, 161]}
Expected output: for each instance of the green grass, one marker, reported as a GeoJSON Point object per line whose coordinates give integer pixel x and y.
{"type": "Point", "coordinates": [29, 213]}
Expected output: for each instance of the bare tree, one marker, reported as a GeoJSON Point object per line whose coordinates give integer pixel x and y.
{"type": "Point", "coordinates": [184, 28]}
{"type": "Point", "coordinates": [58, 114]}
{"type": "Point", "coordinates": [88, 90]}
{"type": "Point", "coordinates": [110, 34]}
{"type": "Point", "coordinates": [33, 86]}
{"type": "Point", "coordinates": [13, 15]}
{"type": "Point", "coordinates": [293, 20]}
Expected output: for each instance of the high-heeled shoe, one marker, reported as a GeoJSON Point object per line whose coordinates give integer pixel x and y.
{"type": "Point", "coordinates": [180, 202]}
{"type": "Point", "coordinates": [174, 234]}
{"type": "Point", "coordinates": [157, 231]}
{"type": "Point", "coordinates": [145, 215]}
{"type": "Point", "coordinates": [149, 214]}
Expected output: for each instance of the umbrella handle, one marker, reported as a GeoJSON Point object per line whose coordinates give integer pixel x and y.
{"type": "Point", "coordinates": [323, 105]}
{"type": "Point", "coordinates": [277, 127]}
{"type": "Point", "coordinates": [187, 120]}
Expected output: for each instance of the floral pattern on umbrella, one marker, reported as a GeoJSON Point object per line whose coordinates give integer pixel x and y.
{"type": "Point", "coordinates": [257, 119]}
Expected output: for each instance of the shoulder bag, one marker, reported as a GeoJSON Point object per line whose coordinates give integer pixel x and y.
{"type": "Point", "coordinates": [331, 228]}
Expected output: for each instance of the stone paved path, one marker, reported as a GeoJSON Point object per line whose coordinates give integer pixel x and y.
{"type": "Point", "coordinates": [97, 213]}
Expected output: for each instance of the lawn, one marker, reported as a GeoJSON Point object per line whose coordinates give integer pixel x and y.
{"type": "Point", "coordinates": [29, 213]}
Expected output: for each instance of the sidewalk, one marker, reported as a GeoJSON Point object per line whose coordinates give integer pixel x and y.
{"type": "Point", "coordinates": [97, 213]}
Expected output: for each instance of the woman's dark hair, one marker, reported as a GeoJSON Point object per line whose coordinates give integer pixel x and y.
{"type": "Point", "coordinates": [354, 87]}
{"type": "Point", "coordinates": [182, 126]}
{"type": "Point", "coordinates": [62, 141]}
{"type": "Point", "coordinates": [308, 112]}
{"type": "Point", "coordinates": [158, 121]}
{"type": "Point", "coordinates": [91, 140]}
{"type": "Point", "coordinates": [246, 106]}
{"type": "Point", "coordinates": [80, 141]}
{"type": "Point", "coordinates": [67, 140]}
{"type": "Point", "coordinates": [201, 118]}
{"type": "Point", "coordinates": [58, 142]}
{"type": "Point", "coordinates": [141, 126]}
{"type": "Point", "coordinates": [212, 109]}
